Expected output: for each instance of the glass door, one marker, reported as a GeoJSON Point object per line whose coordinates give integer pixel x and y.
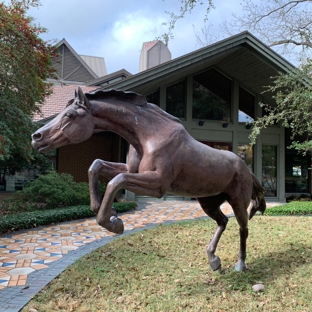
{"type": "Point", "coordinates": [269, 169]}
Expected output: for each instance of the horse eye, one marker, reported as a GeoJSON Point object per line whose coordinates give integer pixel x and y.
{"type": "Point", "coordinates": [69, 115]}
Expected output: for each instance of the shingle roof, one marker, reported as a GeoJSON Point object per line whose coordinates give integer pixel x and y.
{"type": "Point", "coordinates": [57, 101]}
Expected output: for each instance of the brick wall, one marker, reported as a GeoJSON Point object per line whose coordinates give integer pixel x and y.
{"type": "Point", "coordinates": [76, 159]}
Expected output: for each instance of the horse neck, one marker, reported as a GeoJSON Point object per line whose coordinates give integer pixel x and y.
{"type": "Point", "coordinates": [122, 119]}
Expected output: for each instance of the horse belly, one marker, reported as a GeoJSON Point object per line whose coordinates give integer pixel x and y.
{"type": "Point", "coordinates": [181, 188]}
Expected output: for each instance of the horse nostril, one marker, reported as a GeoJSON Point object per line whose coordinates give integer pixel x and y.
{"type": "Point", "coordinates": [36, 136]}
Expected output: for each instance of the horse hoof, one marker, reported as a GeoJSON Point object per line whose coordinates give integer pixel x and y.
{"type": "Point", "coordinates": [240, 267]}
{"type": "Point", "coordinates": [215, 264]}
{"type": "Point", "coordinates": [218, 270]}
{"type": "Point", "coordinates": [116, 225]}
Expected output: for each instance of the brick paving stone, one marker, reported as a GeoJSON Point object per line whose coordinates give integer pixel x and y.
{"type": "Point", "coordinates": [30, 259]}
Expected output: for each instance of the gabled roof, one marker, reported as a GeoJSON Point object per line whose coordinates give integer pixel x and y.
{"type": "Point", "coordinates": [96, 63]}
{"type": "Point", "coordinates": [70, 66]}
{"type": "Point", "coordinates": [111, 78]}
{"type": "Point", "coordinates": [242, 57]}
{"type": "Point", "coordinates": [57, 101]}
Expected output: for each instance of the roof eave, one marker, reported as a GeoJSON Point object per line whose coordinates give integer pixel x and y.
{"type": "Point", "coordinates": [222, 46]}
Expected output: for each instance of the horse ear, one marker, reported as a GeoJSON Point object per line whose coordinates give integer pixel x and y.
{"type": "Point", "coordinates": [83, 99]}
{"type": "Point", "coordinates": [86, 102]}
{"type": "Point", "coordinates": [76, 95]}
{"type": "Point", "coordinates": [80, 95]}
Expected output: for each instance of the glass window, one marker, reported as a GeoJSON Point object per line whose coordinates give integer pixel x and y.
{"type": "Point", "coordinates": [297, 172]}
{"type": "Point", "coordinates": [245, 152]}
{"type": "Point", "coordinates": [211, 96]}
{"type": "Point", "coordinates": [224, 146]}
{"type": "Point", "coordinates": [269, 169]}
{"type": "Point", "coordinates": [153, 97]}
{"type": "Point", "coordinates": [176, 99]}
{"type": "Point", "coordinates": [296, 167]}
{"type": "Point", "coordinates": [246, 111]}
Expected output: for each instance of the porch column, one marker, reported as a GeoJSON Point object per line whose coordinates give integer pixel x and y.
{"type": "Point", "coordinates": [258, 145]}
{"type": "Point", "coordinates": [235, 105]}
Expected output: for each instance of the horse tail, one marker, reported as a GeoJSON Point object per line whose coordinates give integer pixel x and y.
{"type": "Point", "coordinates": [257, 197]}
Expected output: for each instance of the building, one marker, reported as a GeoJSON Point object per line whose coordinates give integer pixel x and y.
{"type": "Point", "coordinates": [215, 92]}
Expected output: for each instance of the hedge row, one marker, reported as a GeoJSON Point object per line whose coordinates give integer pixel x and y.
{"type": "Point", "coordinates": [293, 208]}
{"type": "Point", "coordinates": [37, 218]}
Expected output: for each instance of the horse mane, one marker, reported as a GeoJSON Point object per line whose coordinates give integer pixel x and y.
{"type": "Point", "coordinates": [165, 114]}
{"type": "Point", "coordinates": [128, 96]}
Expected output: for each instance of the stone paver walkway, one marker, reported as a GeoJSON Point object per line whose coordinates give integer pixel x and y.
{"type": "Point", "coordinates": [30, 259]}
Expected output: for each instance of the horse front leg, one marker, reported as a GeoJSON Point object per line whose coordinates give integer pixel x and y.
{"type": "Point", "coordinates": [108, 170]}
{"type": "Point", "coordinates": [211, 206]}
{"type": "Point", "coordinates": [148, 184]}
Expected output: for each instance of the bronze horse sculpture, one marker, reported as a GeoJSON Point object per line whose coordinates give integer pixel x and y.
{"type": "Point", "coordinates": [163, 158]}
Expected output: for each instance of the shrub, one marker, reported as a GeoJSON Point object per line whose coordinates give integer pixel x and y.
{"type": "Point", "coordinates": [124, 206]}
{"type": "Point", "coordinates": [51, 190]}
{"type": "Point", "coordinates": [26, 220]}
{"type": "Point", "coordinates": [305, 196]}
{"type": "Point", "coordinates": [292, 208]}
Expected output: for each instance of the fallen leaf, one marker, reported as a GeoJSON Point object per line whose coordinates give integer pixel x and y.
{"type": "Point", "coordinates": [74, 305]}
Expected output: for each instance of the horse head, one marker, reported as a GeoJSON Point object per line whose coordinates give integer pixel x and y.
{"type": "Point", "coordinates": [73, 125]}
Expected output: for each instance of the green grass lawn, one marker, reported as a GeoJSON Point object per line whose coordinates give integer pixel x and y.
{"type": "Point", "coordinates": [166, 269]}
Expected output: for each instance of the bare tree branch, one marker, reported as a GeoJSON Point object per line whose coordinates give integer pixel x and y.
{"type": "Point", "coordinates": [308, 44]}
{"type": "Point", "coordinates": [283, 24]}
{"type": "Point", "coordinates": [186, 6]}
{"type": "Point", "coordinates": [292, 4]}
{"type": "Point", "coordinates": [204, 37]}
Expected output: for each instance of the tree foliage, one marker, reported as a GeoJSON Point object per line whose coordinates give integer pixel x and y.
{"type": "Point", "coordinates": [293, 96]}
{"type": "Point", "coordinates": [25, 64]}
{"type": "Point", "coordinates": [17, 163]}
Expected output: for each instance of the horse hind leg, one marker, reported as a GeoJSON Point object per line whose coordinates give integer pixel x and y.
{"type": "Point", "coordinates": [241, 214]}
{"type": "Point", "coordinates": [211, 206]}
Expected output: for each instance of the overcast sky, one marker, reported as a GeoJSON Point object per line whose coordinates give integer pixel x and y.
{"type": "Point", "coordinates": [116, 29]}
